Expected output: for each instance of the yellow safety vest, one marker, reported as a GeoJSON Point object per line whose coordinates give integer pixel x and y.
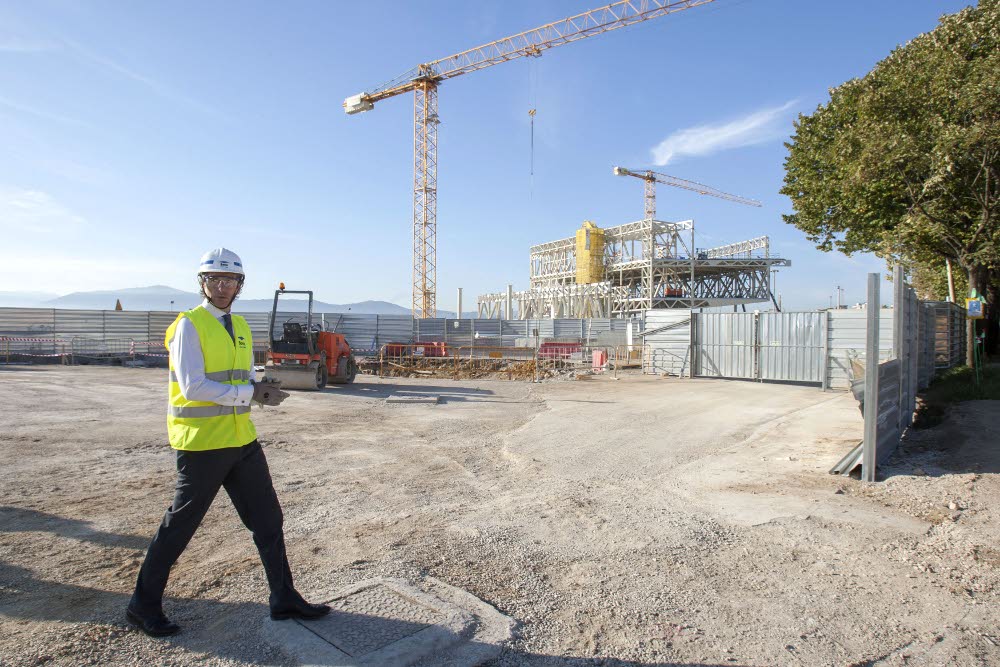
{"type": "Point", "coordinates": [198, 425]}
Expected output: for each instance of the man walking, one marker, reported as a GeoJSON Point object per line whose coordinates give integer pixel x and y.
{"type": "Point", "coordinates": [208, 423]}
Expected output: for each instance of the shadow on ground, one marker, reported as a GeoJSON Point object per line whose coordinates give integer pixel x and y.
{"type": "Point", "coordinates": [447, 393]}
{"type": "Point", "coordinates": [229, 630]}
{"type": "Point", "coordinates": [964, 442]}
{"type": "Point", "coordinates": [20, 519]}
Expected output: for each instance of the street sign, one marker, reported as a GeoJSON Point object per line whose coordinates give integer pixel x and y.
{"type": "Point", "coordinates": [975, 308]}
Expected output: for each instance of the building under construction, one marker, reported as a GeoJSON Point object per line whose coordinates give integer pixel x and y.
{"type": "Point", "coordinates": [622, 271]}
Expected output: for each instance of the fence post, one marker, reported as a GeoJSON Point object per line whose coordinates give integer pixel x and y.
{"type": "Point", "coordinates": [869, 454]}
{"type": "Point", "coordinates": [824, 372]}
{"type": "Point", "coordinates": [693, 344]}
{"type": "Point", "coordinates": [899, 308]}
{"type": "Point", "coordinates": [535, 355]}
{"type": "Point", "coordinates": [755, 349]}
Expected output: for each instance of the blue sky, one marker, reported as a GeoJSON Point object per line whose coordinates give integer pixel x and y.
{"type": "Point", "coordinates": [135, 136]}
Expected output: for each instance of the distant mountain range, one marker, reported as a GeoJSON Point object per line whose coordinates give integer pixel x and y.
{"type": "Point", "coordinates": [163, 298]}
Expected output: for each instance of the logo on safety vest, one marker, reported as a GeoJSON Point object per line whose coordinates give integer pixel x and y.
{"type": "Point", "coordinates": [241, 341]}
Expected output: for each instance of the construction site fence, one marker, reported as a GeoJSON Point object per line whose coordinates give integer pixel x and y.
{"type": "Point", "coordinates": [811, 347]}
{"type": "Point", "coordinates": [517, 362]}
{"type": "Point", "coordinates": [85, 350]}
{"type": "Point", "coordinates": [80, 350]}
{"type": "Point", "coordinates": [365, 333]}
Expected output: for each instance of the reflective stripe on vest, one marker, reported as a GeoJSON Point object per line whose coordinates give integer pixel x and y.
{"type": "Point", "coordinates": [221, 376]}
{"type": "Point", "coordinates": [208, 411]}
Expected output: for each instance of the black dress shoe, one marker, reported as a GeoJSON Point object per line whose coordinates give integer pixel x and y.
{"type": "Point", "coordinates": [299, 609]}
{"type": "Point", "coordinates": [155, 626]}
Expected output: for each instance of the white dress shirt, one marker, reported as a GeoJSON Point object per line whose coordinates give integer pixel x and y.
{"type": "Point", "coordinates": [189, 366]}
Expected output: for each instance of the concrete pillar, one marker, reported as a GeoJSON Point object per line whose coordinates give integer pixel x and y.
{"type": "Point", "coordinates": [458, 312]}
{"type": "Point", "coordinates": [510, 303]}
{"type": "Point", "coordinates": [869, 453]}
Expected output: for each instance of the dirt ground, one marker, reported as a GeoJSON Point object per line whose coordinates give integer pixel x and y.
{"type": "Point", "coordinates": [648, 521]}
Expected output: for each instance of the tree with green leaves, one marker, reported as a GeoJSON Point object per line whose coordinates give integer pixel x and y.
{"type": "Point", "coordinates": [905, 161]}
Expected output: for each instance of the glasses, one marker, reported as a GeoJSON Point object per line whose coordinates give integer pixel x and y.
{"type": "Point", "coordinates": [221, 281]}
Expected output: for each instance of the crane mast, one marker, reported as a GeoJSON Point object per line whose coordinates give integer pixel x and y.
{"type": "Point", "coordinates": [423, 81]}
{"type": "Point", "coordinates": [651, 178]}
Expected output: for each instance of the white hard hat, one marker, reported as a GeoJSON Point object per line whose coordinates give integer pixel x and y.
{"type": "Point", "coordinates": [221, 260]}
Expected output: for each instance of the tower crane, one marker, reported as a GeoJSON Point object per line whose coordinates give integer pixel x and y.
{"type": "Point", "coordinates": [423, 81]}
{"type": "Point", "coordinates": [651, 178]}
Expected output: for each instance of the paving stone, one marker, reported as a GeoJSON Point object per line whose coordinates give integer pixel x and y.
{"type": "Point", "coordinates": [390, 623]}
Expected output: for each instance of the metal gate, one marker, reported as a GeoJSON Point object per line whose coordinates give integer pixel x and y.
{"type": "Point", "coordinates": [761, 346]}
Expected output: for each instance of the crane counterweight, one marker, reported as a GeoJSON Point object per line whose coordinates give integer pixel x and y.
{"type": "Point", "coordinates": [357, 104]}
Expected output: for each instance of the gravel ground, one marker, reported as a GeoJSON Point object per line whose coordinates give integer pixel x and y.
{"type": "Point", "coordinates": [647, 521]}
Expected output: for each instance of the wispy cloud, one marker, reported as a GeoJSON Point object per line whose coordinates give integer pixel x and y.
{"type": "Point", "coordinates": [39, 113]}
{"type": "Point", "coordinates": [755, 128]}
{"type": "Point", "coordinates": [78, 171]}
{"type": "Point", "coordinates": [159, 88]}
{"type": "Point", "coordinates": [34, 211]}
{"type": "Point", "coordinates": [19, 36]}
{"type": "Point", "coordinates": [19, 44]}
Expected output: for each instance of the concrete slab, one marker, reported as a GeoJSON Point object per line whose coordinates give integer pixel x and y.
{"type": "Point", "coordinates": [414, 398]}
{"type": "Point", "coordinates": [391, 623]}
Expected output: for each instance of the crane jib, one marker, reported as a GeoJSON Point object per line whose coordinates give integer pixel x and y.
{"type": "Point", "coordinates": [424, 79]}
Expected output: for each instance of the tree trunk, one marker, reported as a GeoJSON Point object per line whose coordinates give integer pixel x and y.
{"type": "Point", "coordinates": [992, 321]}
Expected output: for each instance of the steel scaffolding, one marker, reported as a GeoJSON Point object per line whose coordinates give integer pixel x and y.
{"type": "Point", "coordinates": [648, 264]}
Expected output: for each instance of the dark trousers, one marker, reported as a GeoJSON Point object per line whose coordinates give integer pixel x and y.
{"type": "Point", "coordinates": [244, 474]}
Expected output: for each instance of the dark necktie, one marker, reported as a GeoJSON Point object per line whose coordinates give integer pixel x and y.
{"type": "Point", "coordinates": [227, 320]}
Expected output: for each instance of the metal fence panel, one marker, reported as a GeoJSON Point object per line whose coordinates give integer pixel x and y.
{"type": "Point", "coordinates": [597, 326]}
{"type": "Point", "coordinates": [361, 331]}
{"type": "Point", "coordinates": [545, 328]}
{"type": "Point", "coordinates": [88, 323]}
{"type": "Point", "coordinates": [668, 343]}
{"type": "Point", "coordinates": [569, 329]}
{"type": "Point", "coordinates": [486, 329]}
{"type": "Point", "coordinates": [428, 330]}
{"type": "Point", "coordinates": [126, 324]}
{"type": "Point", "coordinates": [791, 346]}
{"type": "Point", "coordinates": [846, 339]}
{"type": "Point", "coordinates": [725, 345]}
{"type": "Point", "coordinates": [27, 322]}
{"type": "Point", "coordinates": [887, 430]}
{"type": "Point", "coordinates": [393, 329]}
{"type": "Point", "coordinates": [159, 322]}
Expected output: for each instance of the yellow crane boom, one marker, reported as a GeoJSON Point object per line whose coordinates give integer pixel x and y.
{"type": "Point", "coordinates": [423, 80]}
{"type": "Point", "coordinates": [651, 178]}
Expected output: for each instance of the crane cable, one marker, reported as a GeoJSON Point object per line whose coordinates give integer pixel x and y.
{"type": "Point", "coordinates": [531, 112]}
{"type": "Point", "coordinates": [533, 94]}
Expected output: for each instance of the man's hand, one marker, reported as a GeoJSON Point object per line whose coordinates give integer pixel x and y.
{"type": "Point", "coordinates": [268, 392]}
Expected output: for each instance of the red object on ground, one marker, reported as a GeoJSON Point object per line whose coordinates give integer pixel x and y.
{"type": "Point", "coordinates": [431, 349]}
{"type": "Point", "coordinates": [395, 349]}
{"type": "Point", "coordinates": [558, 350]}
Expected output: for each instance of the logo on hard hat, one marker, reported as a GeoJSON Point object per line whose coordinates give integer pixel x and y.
{"type": "Point", "coordinates": [223, 263]}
